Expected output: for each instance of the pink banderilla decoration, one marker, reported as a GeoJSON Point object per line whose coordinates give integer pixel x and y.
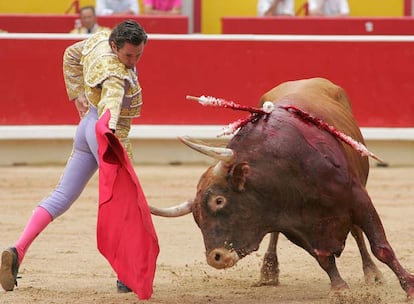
{"type": "Point", "coordinates": [219, 102]}
{"type": "Point", "coordinates": [267, 108]}
{"type": "Point", "coordinates": [234, 126]}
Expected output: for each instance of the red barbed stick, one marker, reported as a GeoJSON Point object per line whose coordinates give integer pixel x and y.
{"type": "Point", "coordinates": [356, 145]}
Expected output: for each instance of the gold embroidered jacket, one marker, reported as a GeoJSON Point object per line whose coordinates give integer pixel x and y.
{"type": "Point", "coordinates": [91, 68]}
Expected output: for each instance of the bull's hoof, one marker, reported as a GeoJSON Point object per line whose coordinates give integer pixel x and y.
{"type": "Point", "coordinates": [339, 286]}
{"type": "Point", "coordinates": [373, 276]}
{"type": "Point", "coordinates": [410, 289]}
{"type": "Point", "coordinates": [269, 274]}
{"type": "Point", "coordinates": [266, 282]}
{"type": "Point", "coordinates": [342, 293]}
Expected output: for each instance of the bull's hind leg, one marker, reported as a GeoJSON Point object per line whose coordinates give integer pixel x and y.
{"type": "Point", "coordinates": [269, 274]}
{"type": "Point", "coordinates": [371, 272]}
{"type": "Point", "coordinates": [367, 218]}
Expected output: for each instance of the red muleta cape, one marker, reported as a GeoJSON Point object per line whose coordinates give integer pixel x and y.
{"type": "Point", "coordinates": [125, 233]}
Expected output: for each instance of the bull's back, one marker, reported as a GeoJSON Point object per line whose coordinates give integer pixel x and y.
{"type": "Point", "coordinates": [329, 102]}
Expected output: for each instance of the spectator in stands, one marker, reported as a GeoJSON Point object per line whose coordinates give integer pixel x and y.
{"type": "Point", "coordinates": [117, 7]}
{"type": "Point", "coordinates": [328, 7]}
{"type": "Point", "coordinates": [88, 22]}
{"type": "Point", "coordinates": [275, 8]}
{"type": "Point", "coordinates": [162, 7]}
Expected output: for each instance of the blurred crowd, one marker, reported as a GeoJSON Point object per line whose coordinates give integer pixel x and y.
{"type": "Point", "coordinates": [88, 23]}
{"type": "Point", "coordinates": [312, 8]}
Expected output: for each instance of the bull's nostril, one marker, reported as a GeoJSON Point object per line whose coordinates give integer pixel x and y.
{"type": "Point", "coordinates": [221, 258]}
{"type": "Point", "coordinates": [217, 257]}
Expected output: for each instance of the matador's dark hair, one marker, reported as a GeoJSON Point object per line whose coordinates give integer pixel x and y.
{"type": "Point", "coordinates": [128, 31]}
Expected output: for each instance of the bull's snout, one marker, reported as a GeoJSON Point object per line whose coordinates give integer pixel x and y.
{"type": "Point", "coordinates": [222, 258]}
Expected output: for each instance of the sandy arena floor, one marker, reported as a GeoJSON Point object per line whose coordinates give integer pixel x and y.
{"type": "Point", "coordinates": [64, 266]}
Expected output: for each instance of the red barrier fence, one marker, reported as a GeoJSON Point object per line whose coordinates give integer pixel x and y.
{"type": "Point", "coordinates": [318, 25]}
{"type": "Point", "coordinates": [376, 72]}
{"type": "Point", "coordinates": [27, 23]}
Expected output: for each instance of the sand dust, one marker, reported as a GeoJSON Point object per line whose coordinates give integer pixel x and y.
{"type": "Point", "coordinates": [64, 266]}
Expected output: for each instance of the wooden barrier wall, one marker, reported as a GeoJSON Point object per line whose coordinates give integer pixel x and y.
{"type": "Point", "coordinates": [376, 72]}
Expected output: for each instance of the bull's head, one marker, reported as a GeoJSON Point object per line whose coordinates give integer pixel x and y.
{"type": "Point", "coordinates": [222, 208]}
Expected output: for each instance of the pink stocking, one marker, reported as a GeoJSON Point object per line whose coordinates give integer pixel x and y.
{"type": "Point", "coordinates": [39, 220]}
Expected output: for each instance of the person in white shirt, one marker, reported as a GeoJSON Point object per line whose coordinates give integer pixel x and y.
{"type": "Point", "coordinates": [275, 8]}
{"type": "Point", "coordinates": [117, 7]}
{"type": "Point", "coordinates": [328, 8]}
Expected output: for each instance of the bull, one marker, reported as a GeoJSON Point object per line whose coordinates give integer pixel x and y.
{"type": "Point", "coordinates": [282, 174]}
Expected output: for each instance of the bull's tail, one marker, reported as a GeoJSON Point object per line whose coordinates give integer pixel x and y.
{"type": "Point", "coordinates": [356, 145]}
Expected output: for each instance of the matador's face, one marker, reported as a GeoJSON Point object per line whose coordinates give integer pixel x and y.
{"type": "Point", "coordinates": [129, 54]}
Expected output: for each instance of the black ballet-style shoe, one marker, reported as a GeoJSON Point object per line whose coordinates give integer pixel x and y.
{"type": "Point", "coordinates": [9, 268]}
{"type": "Point", "coordinates": [121, 287]}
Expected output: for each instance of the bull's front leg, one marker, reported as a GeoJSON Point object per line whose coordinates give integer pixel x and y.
{"type": "Point", "coordinates": [269, 274]}
{"type": "Point", "coordinates": [327, 262]}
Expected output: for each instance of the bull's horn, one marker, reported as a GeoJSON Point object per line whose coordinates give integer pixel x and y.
{"type": "Point", "coordinates": [175, 211]}
{"type": "Point", "coordinates": [224, 154]}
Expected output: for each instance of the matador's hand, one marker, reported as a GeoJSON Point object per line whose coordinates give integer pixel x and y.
{"type": "Point", "coordinates": [82, 105]}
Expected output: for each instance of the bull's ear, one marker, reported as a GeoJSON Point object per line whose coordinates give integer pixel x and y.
{"type": "Point", "coordinates": [239, 175]}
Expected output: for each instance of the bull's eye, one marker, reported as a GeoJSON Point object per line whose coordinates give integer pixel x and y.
{"type": "Point", "coordinates": [217, 203]}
